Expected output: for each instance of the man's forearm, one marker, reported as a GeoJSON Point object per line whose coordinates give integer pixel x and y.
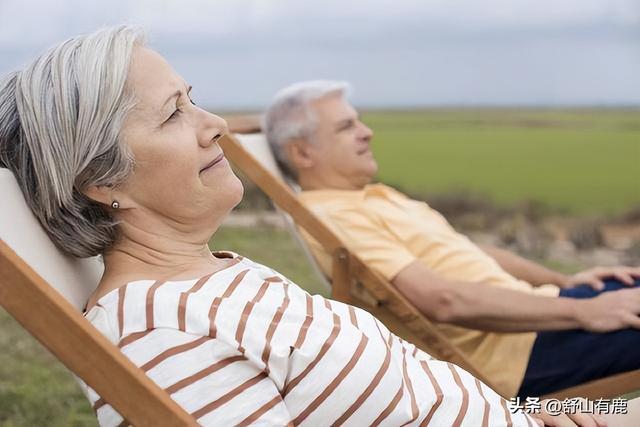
{"type": "Point", "coordinates": [494, 308]}
{"type": "Point", "coordinates": [524, 269]}
{"type": "Point", "coordinates": [483, 306]}
{"type": "Point", "coordinates": [486, 307]}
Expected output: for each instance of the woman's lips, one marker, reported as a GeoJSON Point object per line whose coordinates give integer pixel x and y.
{"type": "Point", "coordinates": [214, 162]}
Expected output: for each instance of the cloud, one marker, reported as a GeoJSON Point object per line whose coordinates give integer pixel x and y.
{"type": "Point", "coordinates": [582, 51]}
{"type": "Point", "coordinates": [36, 22]}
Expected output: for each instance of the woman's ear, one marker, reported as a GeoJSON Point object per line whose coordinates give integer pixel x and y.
{"type": "Point", "coordinates": [101, 194]}
{"type": "Point", "coordinates": [110, 196]}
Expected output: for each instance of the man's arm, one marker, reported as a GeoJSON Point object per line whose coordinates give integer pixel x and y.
{"type": "Point", "coordinates": [487, 307]}
{"type": "Point", "coordinates": [537, 275]}
{"type": "Point", "coordinates": [523, 269]}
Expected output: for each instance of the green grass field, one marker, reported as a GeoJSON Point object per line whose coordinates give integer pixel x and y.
{"type": "Point", "coordinates": [580, 161]}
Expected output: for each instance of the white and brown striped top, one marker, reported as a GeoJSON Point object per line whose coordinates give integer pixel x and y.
{"type": "Point", "coordinates": [246, 346]}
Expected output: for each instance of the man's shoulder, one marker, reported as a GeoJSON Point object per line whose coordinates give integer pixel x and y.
{"type": "Point", "coordinates": [329, 203]}
{"type": "Point", "coordinates": [386, 190]}
{"type": "Point", "coordinates": [331, 200]}
{"type": "Point", "coordinates": [393, 195]}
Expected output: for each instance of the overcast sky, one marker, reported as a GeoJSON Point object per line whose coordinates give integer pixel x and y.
{"type": "Point", "coordinates": [238, 53]}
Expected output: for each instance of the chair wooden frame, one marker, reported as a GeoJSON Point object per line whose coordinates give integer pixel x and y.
{"type": "Point", "coordinates": [53, 321]}
{"type": "Point", "coordinates": [354, 282]}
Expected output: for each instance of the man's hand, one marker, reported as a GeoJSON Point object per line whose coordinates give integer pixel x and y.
{"type": "Point", "coordinates": [609, 311]}
{"type": "Point", "coordinates": [594, 276]}
{"type": "Point", "coordinates": [568, 420]}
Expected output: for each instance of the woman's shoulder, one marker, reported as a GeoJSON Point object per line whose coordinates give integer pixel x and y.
{"type": "Point", "coordinates": [117, 283]}
{"type": "Point", "coordinates": [139, 304]}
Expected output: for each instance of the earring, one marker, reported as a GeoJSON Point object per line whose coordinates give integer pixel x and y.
{"type": "Point", "coordinates": [115, 205]}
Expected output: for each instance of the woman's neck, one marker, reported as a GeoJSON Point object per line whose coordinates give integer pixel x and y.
{"type": "Point", "coordinates": [156, 251]}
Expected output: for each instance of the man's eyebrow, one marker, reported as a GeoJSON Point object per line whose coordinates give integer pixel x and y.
{"type": "Point", "coordinates": [344, 122]}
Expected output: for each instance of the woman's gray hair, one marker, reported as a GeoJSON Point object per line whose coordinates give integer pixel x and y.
{"type": "Point", "coordinates": [291, 116]}
{"type": "Point", "coordinates": [60, 123]}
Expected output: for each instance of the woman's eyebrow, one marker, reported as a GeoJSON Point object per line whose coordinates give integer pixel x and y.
{"type": "Point", "coordinates": [176, 94]}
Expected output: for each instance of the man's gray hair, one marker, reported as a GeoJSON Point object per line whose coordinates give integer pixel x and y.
{"type": "Point", "coordinates": [291, 116]}
{"type": "Point", "coordinates": [60, 123]}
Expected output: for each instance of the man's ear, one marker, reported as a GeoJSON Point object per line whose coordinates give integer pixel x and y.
{"type": "Point", "coordinates": [299, 153]}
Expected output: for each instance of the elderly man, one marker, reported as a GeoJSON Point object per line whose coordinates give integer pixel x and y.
{"type": "Point", "coordinates": [532, 329]}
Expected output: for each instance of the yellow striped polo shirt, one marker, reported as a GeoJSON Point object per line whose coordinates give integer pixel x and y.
{"type": "Point", "coordinates": [389, 231]}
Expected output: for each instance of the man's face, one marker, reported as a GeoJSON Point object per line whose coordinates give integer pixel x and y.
{"type": "Point", "coordinates": [340, 147]}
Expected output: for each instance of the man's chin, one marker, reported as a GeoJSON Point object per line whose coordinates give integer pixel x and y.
{"type": "Point", "coordinates": [373, 168]}
{"type": "Point", "coordinates": [370, 174]}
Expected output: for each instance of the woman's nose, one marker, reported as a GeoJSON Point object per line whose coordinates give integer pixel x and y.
{"type": "Point", "coordinates": [211, 126]}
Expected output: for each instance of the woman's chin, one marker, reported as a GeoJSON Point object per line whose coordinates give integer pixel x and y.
{"type": "Point", "coordinates": [239, 192]}
{"type": "Point", "coordinates": [221, 200]}
{"type": "Point", "coordinates": [233, 193]}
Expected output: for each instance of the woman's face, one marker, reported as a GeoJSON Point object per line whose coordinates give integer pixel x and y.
{"type": "Point", "coordinates": [180, 171]}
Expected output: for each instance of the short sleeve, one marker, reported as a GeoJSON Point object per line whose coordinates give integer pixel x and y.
{"type": "Point", "coordinates": [371, 241]}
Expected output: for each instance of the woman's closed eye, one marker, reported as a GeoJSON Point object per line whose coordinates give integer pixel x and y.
{"type": "Point", "coordinates": [173, 115]}
{"type": "Point", "coordinates": [179, 110]}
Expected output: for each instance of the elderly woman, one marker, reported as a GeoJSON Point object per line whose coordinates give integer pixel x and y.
{"type": "Point", "coordinates": [115, 159]}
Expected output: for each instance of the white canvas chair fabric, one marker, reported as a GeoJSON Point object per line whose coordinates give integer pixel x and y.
{"type": "Point", "coordinates": [256, 144]}
{"type": "Point", "coordinates": [57, 322]}
{"type": "Point", "coordinates": [74, 278]}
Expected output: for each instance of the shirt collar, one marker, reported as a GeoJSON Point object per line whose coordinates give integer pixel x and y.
{"type": "Point", "coordinates": [315, 196]}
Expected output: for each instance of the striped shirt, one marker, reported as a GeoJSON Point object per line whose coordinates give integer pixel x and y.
{"type": "Point", "coordinates": [245, 346]}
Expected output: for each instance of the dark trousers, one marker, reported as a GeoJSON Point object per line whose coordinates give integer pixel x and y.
{"type": "Point", "coordinates": [561, 359]}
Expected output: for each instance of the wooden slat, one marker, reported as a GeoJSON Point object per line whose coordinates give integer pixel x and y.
{"type": "Point", "coordinates": [341, 276]}
{"type": "Point", "coordinates": [435, 342]}
{"type": "Point", "coordinates": [243, 123]}
{"type": "Point", "coordinates": [53, 321]}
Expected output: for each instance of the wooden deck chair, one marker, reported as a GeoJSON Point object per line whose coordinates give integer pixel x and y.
{"type": "Point", "coordinates": [354, 282]}
{"type": "Point", "coordinates": [45, 291]}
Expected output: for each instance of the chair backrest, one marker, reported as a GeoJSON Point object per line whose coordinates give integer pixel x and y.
{"type": "Point", "coordinates": [74, 278]}
{"type": "Point", "coordinates": [256, 144]}
{"type": "Point", "coordinates": [44, 290]}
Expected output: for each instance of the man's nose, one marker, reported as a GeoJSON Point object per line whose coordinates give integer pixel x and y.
{"type": "Point", "coordinates": [366, 132]}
